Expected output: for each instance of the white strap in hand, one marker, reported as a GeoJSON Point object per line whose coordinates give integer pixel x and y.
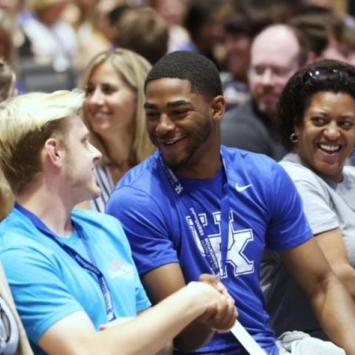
{"type": "Point", "coordinates": [246, 339]}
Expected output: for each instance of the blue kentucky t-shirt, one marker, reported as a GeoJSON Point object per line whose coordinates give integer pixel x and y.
{"type": "Point", "coordinates": [250, 205]}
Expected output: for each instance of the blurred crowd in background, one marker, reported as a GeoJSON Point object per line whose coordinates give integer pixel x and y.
{"type": "Point", "coordinates": [49, 42]}
{"type": "Point", "coordinates": [49, 45]}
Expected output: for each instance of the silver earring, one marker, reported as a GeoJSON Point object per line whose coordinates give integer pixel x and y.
{"type": "Point", "coordinates": [293, 138]}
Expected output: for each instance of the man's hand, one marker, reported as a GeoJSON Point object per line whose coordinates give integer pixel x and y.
{"type": "Point", "coordinates": [168, 279]}
{"type": "Point", "coordinates": [221, 314]}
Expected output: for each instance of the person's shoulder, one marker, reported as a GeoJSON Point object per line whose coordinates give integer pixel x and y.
{"type": "Point", "coordinates": [242, 124]}
{"type": "Point", "coordinates": [349, 170]}
{"type": "Point", "coordinates": [19, 237]}
{"type": "Point", "coordinates": [240, 113]}
{"type": "Point", "coordinates": [15, 223]}
{"type": "Point", "coordinates": [296, 170]}
{"type": "Point", "coordinates": [145, 179]}
{"type": "Point", "coordinates": [291, 166]}
{"type": "Point", "coordinates": [348, 183]}
{"type": "Point", "coordinates": [250, 161]}
{"type": "Point", "coordinates": [257, 169]}
{"type": "Point", "coordinates": [143, 188]}
{"type": "Point", "coordinates": [142, 175]}
{"type": "Point", "coordinates": [100, 225]}
{"type": "Point", "coordinates": [93, 218]}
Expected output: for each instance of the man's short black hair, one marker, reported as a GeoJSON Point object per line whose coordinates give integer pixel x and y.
{"type": "Point", "coordinates": [200, 71]}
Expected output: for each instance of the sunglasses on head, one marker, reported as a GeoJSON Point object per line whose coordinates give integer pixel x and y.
{"type": "Point", "coordinates": [321, 74]}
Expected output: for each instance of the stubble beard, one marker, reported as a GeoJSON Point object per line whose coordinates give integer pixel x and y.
{"type": "Point", "coordinates": [180, 164]}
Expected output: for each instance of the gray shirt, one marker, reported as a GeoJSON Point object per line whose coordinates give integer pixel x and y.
{"type": "Point", "coordinates": [327, 205]}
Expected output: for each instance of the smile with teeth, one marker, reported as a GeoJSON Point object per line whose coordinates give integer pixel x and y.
{"type": "Point", "coordinates": [100, 114]}
{"type": "Point", "coordinates": [171, 140]}
{"type": "Point", "coordinates": [329, 148]}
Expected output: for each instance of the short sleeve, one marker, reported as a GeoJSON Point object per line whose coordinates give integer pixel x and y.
{"type": "Point", "coordinates": [41, 299]}
{"type": "Point", "coordinates": [288, 227]}
{"type": "Point", "coordinates": [315, 197]}
{"type": "Point", "coordinates": [145, 221]}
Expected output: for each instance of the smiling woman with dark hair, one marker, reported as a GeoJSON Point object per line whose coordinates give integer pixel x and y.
{"type": "Point", "coordinates": [317, 122]}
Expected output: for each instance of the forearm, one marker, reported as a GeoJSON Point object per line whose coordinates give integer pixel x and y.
{"type": "Point", "coordinates": [152, 330]}
{"type": "Point", "coordinates": [148, 333]}
{"type": "Point", "coordinates": [334, 250]}
{"type": "Point", "coordinates": [336, 313]}
{"type": "Point", "coordinates": [167, 350]}
{"type": "Point", "coordinates": [202, 329]}
{"type": "Point", "coordinates": [346, 274]}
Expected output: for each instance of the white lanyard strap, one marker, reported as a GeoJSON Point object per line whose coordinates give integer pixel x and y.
{"type": "Point", "coordinates": [244, 338]}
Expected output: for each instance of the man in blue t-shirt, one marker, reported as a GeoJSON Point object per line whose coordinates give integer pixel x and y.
{"type": "Point", "coordinates": [71, 272]}
{"type": "Point", "coordinates": [196, 206]}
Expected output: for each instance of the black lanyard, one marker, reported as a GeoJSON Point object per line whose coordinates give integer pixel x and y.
{"type": "Point", "coordinates": [205, 242]}
{"type": "Point", "coordinates": [90, 266]}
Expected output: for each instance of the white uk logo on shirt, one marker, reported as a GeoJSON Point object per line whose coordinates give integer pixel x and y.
{"type": "Point", "coordinates": [238, 241]}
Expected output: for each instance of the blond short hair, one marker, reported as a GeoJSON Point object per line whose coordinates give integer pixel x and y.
{"type": "Point", "coordinates": [26, 122]}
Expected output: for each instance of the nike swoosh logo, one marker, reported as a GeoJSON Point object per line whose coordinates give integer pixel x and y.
{"type": "Point", "coordinates": [241, 188]}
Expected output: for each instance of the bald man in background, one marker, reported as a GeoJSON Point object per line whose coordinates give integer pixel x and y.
{"type": "Point", "coordinates": [277, 52]}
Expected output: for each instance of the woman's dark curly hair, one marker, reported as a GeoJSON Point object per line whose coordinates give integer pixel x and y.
{"type": "Point", "coordinates": [322, 75]}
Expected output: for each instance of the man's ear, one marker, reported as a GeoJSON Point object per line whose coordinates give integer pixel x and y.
{"type": "Point", "coordinates": [53, 151]}
{"type": "Point", "coordinates": [218, 107]}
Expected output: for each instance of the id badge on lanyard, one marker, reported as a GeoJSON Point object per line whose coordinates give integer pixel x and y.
{"type": "Point", "coordinates": [241, 334]}
{"type": "Point", "coordinates": [205, 241]}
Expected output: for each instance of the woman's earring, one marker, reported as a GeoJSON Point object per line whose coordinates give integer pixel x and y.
{"type": "Point", "coordinates": [293, 138]}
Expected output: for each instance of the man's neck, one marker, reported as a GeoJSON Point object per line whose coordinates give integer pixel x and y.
{"type": "Point", "coordinates": [202, 171]}
{"type": "Point", "coordinates": [201, 167]}
{"type": "Point", "coordinates": [206, 161]}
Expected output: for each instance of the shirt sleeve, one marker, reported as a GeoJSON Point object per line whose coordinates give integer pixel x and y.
{"type": "Point", "coordinates": [316, 200]}
{"type": "Point", "coordinates": [142, 300]}
{"type": "Point", "coordinates": [41, 299]}
{"type": "Point", "coordinates": [289, 226]}
{"type": "Point", "coordinates": [145, 221]}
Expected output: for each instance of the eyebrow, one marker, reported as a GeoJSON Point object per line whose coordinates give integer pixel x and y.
{"type": "Point", "coordinates": [173, 104]}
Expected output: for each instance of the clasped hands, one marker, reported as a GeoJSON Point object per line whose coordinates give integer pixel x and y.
{"type": "Point", "coordinates": [220, 313]}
